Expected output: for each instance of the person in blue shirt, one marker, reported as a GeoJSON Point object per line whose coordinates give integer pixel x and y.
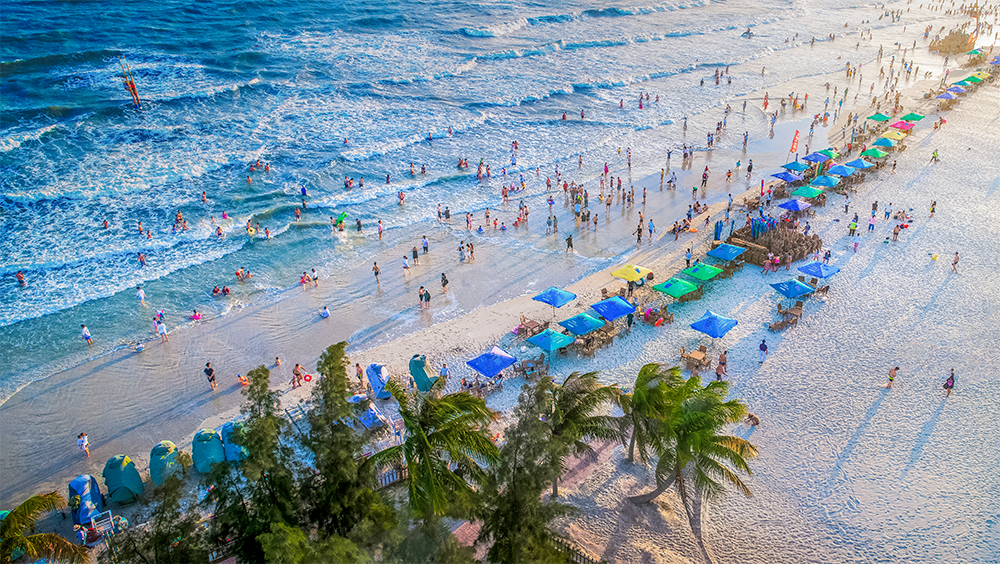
{"type": "Point", "coordinates": [444, 371]}
{"type": "Point", "coordinates": [763, 350]}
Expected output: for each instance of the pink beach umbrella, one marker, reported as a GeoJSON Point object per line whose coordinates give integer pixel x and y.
{"type": "Point", "coordinates": [902, 125]}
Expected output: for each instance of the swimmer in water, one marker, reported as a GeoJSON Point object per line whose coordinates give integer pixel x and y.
{"type": "Point", "coordinates": [106, 225]}
{"type": "Point", "coordinates": [20, 278]}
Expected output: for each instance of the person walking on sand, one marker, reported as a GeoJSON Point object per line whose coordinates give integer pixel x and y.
{"type": "Point", "coordinates": [933, 205]}
{"type": "Point", "coordinates": [723, 358]}
{"type": "Point", "coordinates": [444, 283]}
{"type": "Point", "coordinates": [892, 376]}
{"type": "Point", "coordinates": [763, 350]}
{"type": "Point", "coordinates": [161, 329]}
{"type": "Point", "coordinates": [687, 258]}
{"type": "Point", "coordinates": [296, 376]}
{"type": "Point", "coordinates": [210, 375]}
{"type": "Point", "coordinates": [86, 335]}
{"type": "Point", "coordinates": [83, 443]}
{"type": "Point", "coordinates": [569, 244]}
{"type": "Point", "coordinates": [949, 383]}
{"type": "Point", "coordinates": [954, 263]}
{"type": "Point", "coordinates": [406, 266]}
{"type": "Point", "coordinates": [857, 241]}
{"type": "Point", "coordinates": [376, 270]}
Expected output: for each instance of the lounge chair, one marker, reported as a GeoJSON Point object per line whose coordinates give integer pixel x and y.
{"type": "Point", "coordinates": [799, 303]}
{"type": "Point", "coordinates": [813, 282]}
{"type": "Point", "coordinates": [777, 326]}
{"type": "Point", "coordinates": [802, 279]}
{"type": "Point", "coordinates": [782, 310]}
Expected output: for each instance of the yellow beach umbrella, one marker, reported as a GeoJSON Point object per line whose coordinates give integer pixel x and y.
{"type": "Point", "coordinates": [894, 135]}
{"type": "Point", "coordinates": [631, 273]}
{"type": "Point", "coordinates": [981, 75]}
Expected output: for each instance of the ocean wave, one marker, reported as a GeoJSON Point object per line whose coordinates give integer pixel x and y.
{"type": "Point", "coordinates": [13, 141]}
{"type": "Point", "coordinates": [496, 30]}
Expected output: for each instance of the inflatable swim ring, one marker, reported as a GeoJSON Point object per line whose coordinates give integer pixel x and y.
{"type": "Point", "coordinates": [658, 322]}
{"type": "Point", "coordinates": [307, 377]}
{"type": "Point", "coordinates": [251, 231]}
{"type": "Point", "coordinates": [693, 229]}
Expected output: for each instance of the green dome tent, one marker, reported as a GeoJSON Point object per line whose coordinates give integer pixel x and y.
{"type": "Point", "coordinates": [419, 371]}
{"type": "Point", "coordinates": [234, 452]}
{"type": "Point", "coordinates": [163, 462]}
{"type": "Point", "coordinates": [122, 480]}
{"type": "Point", "coordinates": [206, 450]}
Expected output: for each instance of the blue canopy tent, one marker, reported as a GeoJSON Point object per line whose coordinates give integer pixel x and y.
{"type": "Point", "coordinates": [377, 377]}
{"type": "Point", "coordinates": [816, 158]}
{"type": "Point", "coordinates": [714, 325]}
{"type": "Point", "coordinates": [825, 181]}
{"type": "Point", "coordinates": [492, 362]}
{"type": "Point", "coordinates": [421, 376]}
{"type": "Point", "coordinates": [163, 463]}
{"type": "Point", "coordinates": [550, 340]}
{"type": "Point", "coordinates": [233, 451]}
{"type": "Point", "coordinates": [840, 170]}
{"type": "Point", "coordinates": [372, 417]}
{"type": "Point", "coordinates": [726, 251]}
{"type": "Point", "coordinates": [860, 163]}
{"type": "Point", "coordinates": [793, 288]}
{"type": "Point", "coordinates": [85, 499]}
{"type": "Point", "coordinates": [795, 166]}
{"type": "Point", "coordinates": [581, 324]}
{"type": "Point", "coordinates": [613, 308]}
{"type": "Point", "coordinates": [946, 96]}
{"type": "Point", "coordinates": [819, 270]}
{"type": "Point", "coordinates": [794, 205]}
{"type": "Point", "coordinates": [207, 450]}
{"type": "Point", "coordinates": [787, 176]}
{"type": "Point", "coordinates": [884, 142]}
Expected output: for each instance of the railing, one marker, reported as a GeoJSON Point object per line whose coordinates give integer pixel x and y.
{"type": "Point", "coordinates": [391, 477]}
{"type": "Point", "coordinates": [576, 554]}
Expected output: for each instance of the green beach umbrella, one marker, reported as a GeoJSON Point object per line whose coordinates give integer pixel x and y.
{"type": "Point", "coordinates": [702, 271]}
{"type": "Point", "coordinates": [807, 192]}
{"type": "Point", "coordinates": [912, 117]}
{"type": "Point", "coordinates": [675, 288]}
{"type": "Point", "coordinates": [874, 153]}
{"type": "Point", "coordinates": [975, 79]}
{"type": "Point", "coordinates": [974, 52]}
{"type": "Point", "coordinates": [879, 117]}
{"type": "Point", "coordinates": [830, 153]}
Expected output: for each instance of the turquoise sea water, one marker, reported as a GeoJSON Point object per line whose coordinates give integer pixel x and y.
{"type": "Point", "coordinates": [224, 84]}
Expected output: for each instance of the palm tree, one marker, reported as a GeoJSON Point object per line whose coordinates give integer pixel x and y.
{"type": "Point", "coordinates": [44, 545]}
{"type": "Point", "coordinates": [572, 418]}
{"type": "Point", "coordinates": [696, 452]}
{"type": "Point", "coordinates": [645, 408]}
{"type": "Point", "coordinates": [440, 432]}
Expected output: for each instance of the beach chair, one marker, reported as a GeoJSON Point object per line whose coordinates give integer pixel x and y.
{"type": "Point", "coordinates": [813, 282]}
{"type": "Point", "coordinates": [802, 279]}
{"type": "Point", "coordinates": [792, 322]}
{"type": "Point", "coordinates": [822, 290]}
{"type": "Point", "coordinates": [605, 294]}
{"type": "Point", "coordinates": [778, 326]}
{"type": "Point", "coordinates": [781, 310]}
{"type": "Point", "coordinates": [798, 303]}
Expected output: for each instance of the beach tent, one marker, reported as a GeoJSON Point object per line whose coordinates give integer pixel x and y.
{"type": "Point", "coordinates": [702, 271]}
{"type": "Point", "coordinates": [555, 297]}
{"type": "Point", "coordinates": [912, 117]}
{"type": "Point", "coordinates": [946, 96]}
{"type": "Point", "coordinates": [816, 158]}
{"type": "Point", "coordinates": [793, 288]}
{"type": "Point", "coordinates": [860, 163]}
{"type": "Point", "coordinates": [825, 181]}
{"type": "Point", "coordinates": [874, 153]}
{"type": "Point", "coordinates": [957, 90]}
{"type": "Point", "coordinates": [795, 205]}
{"type": "Point", "coordinates": [819, 270]}
{"type": "Point", "coordinates": [795, 166]}
{"type": "Point", "coordinates": [894, 135]}
{"type": "Point", "coordinates": [85, 499]}
{"type": "Point", "coordinates": [163, 463]}
{"type": "Point", "coordinates": [714, 325]}
{"type": "Point", "coordinates": [492, 362]}
{"type": "Point", "coordinates": [378, 375]}
{"type": "Point", "coordinates": [726, 251]}
{"type": "Point", "coordinates": [122, 480]}
{"type": "Point", "coordinates": [787, 176]}
{"type": "Point", "coordinates": [207, 449]}
{"type": "Point", "coordinates": [581, 324]}
{"type": "Point", "coordinates": [830, 153]}
{"type": "Point", "coordinates": [372, 418]}
{"type": "Point", "coordinates": [879, 117]}
{"type": "Point", "coordinates": [613, 308]}
{"type": "Point", "coordinates": [631, 272]}
{"type": "Point", "coordinates": [550, 340]}
{"type": "Point", "coordinates": [421, 376]}
{"type": "Point", "coordinates": [883, 142]}
{"type": "Point", "coordinates": [807, 192]}
{"type": "Point", "coordinates": [840, 170]}
{"type": "Point", "coordinates": [234, 452]}
{"type": "Point", "coordinates": [675, 288]}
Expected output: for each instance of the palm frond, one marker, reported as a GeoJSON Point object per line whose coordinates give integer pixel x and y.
{"type": "Point", "coordinates": [54, 547]}
{"type": "Point", "coordinates": [24, 516]}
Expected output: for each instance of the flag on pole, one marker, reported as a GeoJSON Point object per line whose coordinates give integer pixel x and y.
{"type": "Point", "coordinates": [795, 142]}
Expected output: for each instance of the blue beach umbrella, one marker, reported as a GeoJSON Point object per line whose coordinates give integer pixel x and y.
{"type": "Point", "coordinates": [816, 158]}
{"type": "Point", "coordinates": [795, 165]}
{"type": "Point", "coordinates": [793, 288]}
{"type": "Point", "coordinates": [825, 181]}
{"type": "Point", "coordinates": [581, 324]}
{"type": "Point", "coordinates": [860, 163]}
{"type": "Point", "coordinates": [555, 297]}
{"type": "Point", "coordinates": [946, 96]}
{"type": "Point", "coordinates": [957, 90]}
{"type": "Point", "coordinates": [613, 308]}
{"type": "Point", "coordinates": [819, 270]}
{"type": "Point", "coordinates": [795, 205]}
{"type": "Point", "coordinates": [714, 325]}
{"type": "Point", "coordinates": [726, 252]}
{"type": "Point", "coordinates": [840, 170]}
{"type": "Point", "coordinates": [550, 340]}
{"type": "Point", "coordinates": [787, 176]}
{"type": "Point", "coordinates": [492, 362]}
{"type": "Point", "coordinates": [884, 142]}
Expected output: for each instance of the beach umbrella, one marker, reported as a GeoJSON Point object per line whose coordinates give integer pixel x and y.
{"type": "Point", "coordinates": [962, 83]}
{"type": "Point", "coordinates": [786, 176]}
{"type": "Point", "coordinates": [879, 117]}
{"type": "Point", "coordinates": [550, 340]}
{"type": "Point", "coordinates": [884, 142]}
{"type": "Point", "coordinates": [981, 74]}
{"type": "Point", "coordinates": [819, 270]}
{"type": "Point", "coordinates": [902, 125]}
{"type": "Point", "coordinates": [492, 362]}
{"type": "Point", "coordinates": [825, 181]}
{"type": "Point", "coordinates": [974, 52]}
{"type": "Point", "coordinates": [581, 323]}
{"type": "Point", "coordinates": [555, 297]}
{"type": "Point", "coordinates": [795, 205]}
{"type": "Point", "coordinates": [675, 288]}
{"type": "Point", "coordinates": [830, 153]}
{"type": "Point", "coordinates": [912, 117]}
{"type": "Point", "coordinates": [702, 271]}
{"type": "Point", "coordinates": [946, 96]}
{"type": "Point", "coordinates": [957, 90]}
{"type": "Point", "coordinates": [995, 62]}
{"type": "Point", "coordinates": [972, 78]}
{"type": "Point", "coordinates": [795, 166]}
{"type": "Point", "coordinates": [840, 170]}
{"type": "Point", "coordinates": [874, 153]}
{"type": "Point", "coordinates": [793, 288]}
{"type": "Point", "coordinates": [613, 308]}
{"type": "Point", "coordinates": [631, 272]}
{"type": "Point", "coordinates": [727, 251]}
{"type": "Point", "coordinates": [860, 163]}
{"type": "Point", "coordinates": [894, 135]}
{"type": "Point", "coordinates": [807, 192]}
{"type": "Point", "coordinates": [816, 158]}
{"type": "Point", "coordinates": [714, 325]}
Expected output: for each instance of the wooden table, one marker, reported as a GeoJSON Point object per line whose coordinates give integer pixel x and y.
{"type": "Point", "coordinates": [796, 311]}
{"type": "Point", "coordinates": [531, 326]}
{"type": "Point", "coordinates": [696, 355]}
